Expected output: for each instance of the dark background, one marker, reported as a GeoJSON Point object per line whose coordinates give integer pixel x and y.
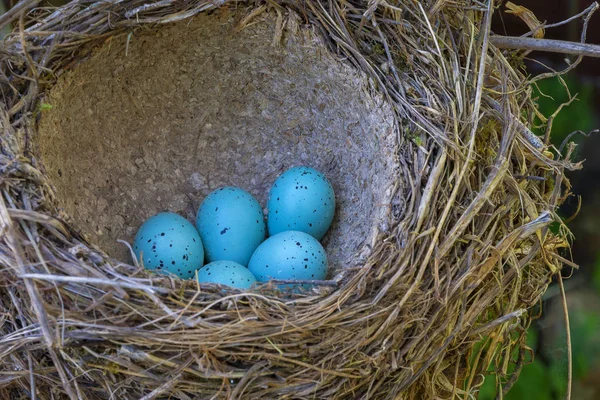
{"type": "Point", "coordinates": [545, 377]}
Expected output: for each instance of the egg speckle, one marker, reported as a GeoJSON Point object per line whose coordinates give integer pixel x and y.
{"type": "Point", "coordinates": [301, 199]}
{"type": "Point", "coordinates": [231, 224]}
{"type": "Point", "coordinates": [290, 255]}
{"type": "Point", "coordinates": [169, 243]}
{"type": "Point", "coordinates": [228, 273]}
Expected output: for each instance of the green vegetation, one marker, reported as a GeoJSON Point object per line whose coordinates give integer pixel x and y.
{"type": "Point", "coordinates": [578, 115]}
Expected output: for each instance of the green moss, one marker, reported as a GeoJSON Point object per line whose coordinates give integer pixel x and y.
{"type": "Point", "coordinates": [378, 49]}
{"type": "Point", "coordinates": [400, 61]}
{"type": "Point", "coordinates": [486, 140]}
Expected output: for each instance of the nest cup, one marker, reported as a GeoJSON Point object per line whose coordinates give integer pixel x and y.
{"type": "Point", "coordinates": [152, 123]}
{"type": "Point", "coordinates": [115, 110]}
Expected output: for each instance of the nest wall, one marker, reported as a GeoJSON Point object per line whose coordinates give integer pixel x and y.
{"type": "Point", "coordinates": [441, 298]}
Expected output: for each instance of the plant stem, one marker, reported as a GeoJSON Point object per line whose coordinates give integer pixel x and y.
{"type": "Point", "coordinates": [547, 45]}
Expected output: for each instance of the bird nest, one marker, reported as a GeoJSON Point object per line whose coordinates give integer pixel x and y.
{"type": "Point", "coordinates": [115, 110]}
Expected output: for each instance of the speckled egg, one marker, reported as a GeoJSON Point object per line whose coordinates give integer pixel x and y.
{"type": "Point", "coordinates": [231, 224]}
{"type": "Point", "coordinates": [228, 273]}
{"type": "Point", "coordinates": [290, 255]}
{"type": "Point", "coordinates": [301, 199]}
{"type": "Point", "coordinates": [169, 244]}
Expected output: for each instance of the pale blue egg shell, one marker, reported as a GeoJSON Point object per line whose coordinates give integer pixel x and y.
{"type": "Point", "coordinates": [301, 199]}
{"type": "Point", "coordinates": [228, 273]}
{"type": "Point", "coordinates": [231, 224]}
{"type": "Point", "coordinates": [170, 244]}
{"type": "Point", "coordinates": [290, 255]}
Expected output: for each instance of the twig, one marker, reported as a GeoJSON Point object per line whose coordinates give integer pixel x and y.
{"type": "Point", "coordinates": [498, 321]}
{"type": "Point", "coordinates": [546, 45]}
{"type": "Point", "coordinates": [568, 328]}
{"type": "Point", "coordinates": [305, 282]}
{"type": "Point", "coordinates": [578, 132]}
{"type": "Point", "coordinates": [146, 7]}
{"type": "Point", "coordinates": [585, 13]}
{"type": "Point", "coordinates": [20, 7]}
{"type": "Point", "coordinates": [93, 281]}
{"type": "Point", "coordinates": [531, 137]}
{"type": "Point", "coordinates": [586, 22]}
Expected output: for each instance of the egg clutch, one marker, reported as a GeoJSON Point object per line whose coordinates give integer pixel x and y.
{"type": "Point", "coordinates": [229, 244]}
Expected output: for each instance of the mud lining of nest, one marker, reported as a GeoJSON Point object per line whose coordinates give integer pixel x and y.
{"type": "Point", "coordinates": [442, 295]}
{"type": "Point", "coordinates": [152, 123]}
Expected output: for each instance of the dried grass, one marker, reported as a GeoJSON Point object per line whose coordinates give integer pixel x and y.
{"type": "Point", "coordinates": [443, 299]}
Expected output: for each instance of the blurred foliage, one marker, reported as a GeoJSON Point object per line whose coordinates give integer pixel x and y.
{"type": "Point", "coordinates": [578, 115]}
{"type": "Point", "coordinates": [585, 326]}
{"type": "Point", "coordinates": [547, 380]}
{"type": "Point", "coordinates": [596, 275]}
{"type": "Point", "coordinates": [533, 382]}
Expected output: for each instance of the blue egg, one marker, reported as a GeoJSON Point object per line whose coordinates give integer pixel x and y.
{"type": "Point", "coordinates": [301, 199]}
{"type": "Point", "coordinates": [290, 255]}
{"type": "Point", "coordinates": [169, 244]}
{"type": "Point", "coordinates": [227, 273]}
{"type": "Point", "coordinates": [231, 224]}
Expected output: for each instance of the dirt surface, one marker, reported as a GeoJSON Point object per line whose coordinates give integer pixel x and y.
{"type": "Point", "coordinates": [157, 123]}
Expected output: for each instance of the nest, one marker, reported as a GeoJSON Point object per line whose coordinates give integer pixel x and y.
{"type": "Point", "coordinates": [441, 246]}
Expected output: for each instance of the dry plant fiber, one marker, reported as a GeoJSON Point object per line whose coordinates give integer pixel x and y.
{"type": "Point", "coordinates": [435, 296]}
